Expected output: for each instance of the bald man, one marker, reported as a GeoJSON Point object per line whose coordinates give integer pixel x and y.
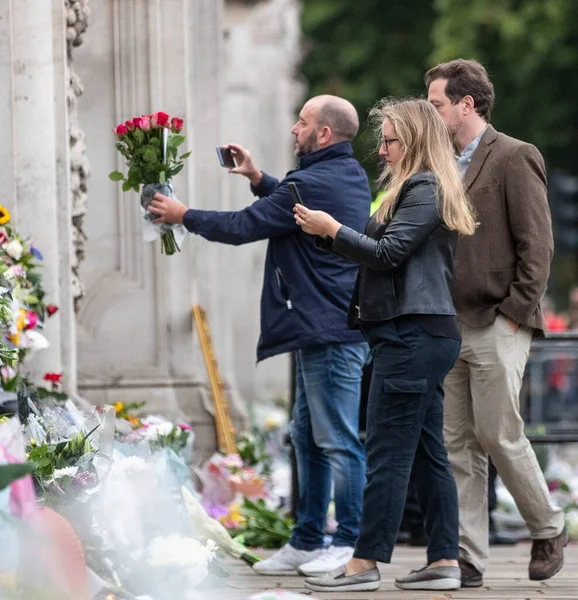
{"type": "Point", "coordinates": [304, 303]}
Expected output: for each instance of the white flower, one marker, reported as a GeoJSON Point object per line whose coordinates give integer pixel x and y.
{"type": "Point", "coordinates": [14, 249]}
{"type": "Point", "coordinates": [152, 432]}
{"type": "Point", "coordinates": [66, 472]}
{"type": "Point", "coordinates": [36, 341]}
{"type": "Point", "coordinates": [131, 465]}
{"type": "Point", "coordinates": [183, 553]}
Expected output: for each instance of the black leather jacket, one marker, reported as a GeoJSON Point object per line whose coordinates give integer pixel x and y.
{"type": "Point", "coordinates": [406, 263]}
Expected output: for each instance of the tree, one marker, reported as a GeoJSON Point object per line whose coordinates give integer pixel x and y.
{"type": "Point", "coordinates": [530, 49]}
{"type": "Point", "coordinates": [366, 50]}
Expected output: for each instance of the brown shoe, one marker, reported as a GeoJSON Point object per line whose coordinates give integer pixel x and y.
{"type": "Point", "coordinates": [471, 577]}
{"type": "Point", "coordinates": [547, 557]}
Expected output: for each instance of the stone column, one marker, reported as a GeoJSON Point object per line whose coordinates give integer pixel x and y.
{"type": "Point", "coordinates": [31, 84]}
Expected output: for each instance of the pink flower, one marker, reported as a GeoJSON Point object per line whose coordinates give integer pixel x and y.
{"type": "Point", "coordinates": [145, 123]}
{"type": "Point", "coordinates": [129, 125]}
{"type": "Point", "coordinates": [137, 122]}
{"type": "Point", "coordinates": [554, 485]}
{"type": "Point", "coordinates": [51, 309]}
{"type": "Point", "coordinates": [176, 124]}
{"type": "Point", "coordinates": [31, 320]}
{"type": "Point", "coordinates": [185, 427]}
{"type": "Point", "coordinates": [121, 129]}
{"type": "Point", "coordinates": [3, 236]}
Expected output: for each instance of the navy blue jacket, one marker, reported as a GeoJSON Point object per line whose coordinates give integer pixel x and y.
{"type": "Point", "coordinates": [306, 292]}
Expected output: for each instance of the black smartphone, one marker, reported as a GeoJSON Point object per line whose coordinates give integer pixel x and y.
{"type": "Point", "coordinates": [295, 193]}
{"type": "Point", "coordinates": [226, 157]}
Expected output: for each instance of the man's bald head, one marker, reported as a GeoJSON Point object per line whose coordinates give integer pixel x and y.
{"type": "Point", "coordinates": [336, 113]}
{"type": "Point", "coordinates": [323, 121]}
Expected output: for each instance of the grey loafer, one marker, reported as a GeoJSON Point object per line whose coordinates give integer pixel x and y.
{"type": "Point", "coordinates": [438, 578]}
{"type": "Point", "coordinates": [337, 580]}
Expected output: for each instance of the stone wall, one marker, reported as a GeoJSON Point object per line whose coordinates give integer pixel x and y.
{"type": "Point", "coordinates": [207, 62]}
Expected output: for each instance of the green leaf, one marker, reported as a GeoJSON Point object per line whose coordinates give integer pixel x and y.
{"type": "Point", "coordinates": [139, 135]}
{"type": "Point", "coordinates": [126, 186]}
{"type": "Point", "coordinates": [176, 170]}
{"type": "Point", "coordinates": [11, 473]}
{"type": "Point", "coordinates": [176, 140]}
{"type": "Point", "coordinates": [149, 155]}
{"type": "Point", "coordinates": [136, 187]}
{"type": "Point", "coordinates": [185, 155]}
{"type": "Point", "coordinates": [116, 176]}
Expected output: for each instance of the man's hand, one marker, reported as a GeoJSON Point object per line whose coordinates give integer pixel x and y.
{"type": "Point", "coordinates": [245, 165]}
{"type": "Point", "coordinates": [169, 210]}
{"type": "Point", "coordinates": [316, 222]}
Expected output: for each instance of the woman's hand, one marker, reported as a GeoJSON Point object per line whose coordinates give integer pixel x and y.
{"type": "Point", "coordinates": [316, 222]}
{"type": "Point", "coordinates": [169, 210]}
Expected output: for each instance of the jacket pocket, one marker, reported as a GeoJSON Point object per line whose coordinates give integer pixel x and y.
{"type": "Point", "coordinates": [402, 401]}
{"type": "Point", "coordinates": [498, 283]}
{"type": "Point", "coordinates": [283, 288]}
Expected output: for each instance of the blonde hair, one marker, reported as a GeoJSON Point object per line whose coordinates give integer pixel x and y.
{"type": "Point", "coordinates": [428, 147]}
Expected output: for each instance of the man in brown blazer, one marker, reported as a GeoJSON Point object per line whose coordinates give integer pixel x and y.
{"type": "Point", "coordinates": [500, 276]}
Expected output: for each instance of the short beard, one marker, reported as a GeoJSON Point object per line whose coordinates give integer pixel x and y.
{"type": "Point", "coordinates": [308, 146]}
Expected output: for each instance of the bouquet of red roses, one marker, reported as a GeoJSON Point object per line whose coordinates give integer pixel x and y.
{"type": "Point", "coordinates": [150, 144]}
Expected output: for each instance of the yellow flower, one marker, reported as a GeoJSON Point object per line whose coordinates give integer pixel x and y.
{"type": "Point", "coordinates": [14, 338]}
{"type": "Point", "coordinates": [119, 407]}
{"type": "Point", "coordinates": [4, 215]}
{"type": "Point", "coordinates": [33, 442]}
{"type": "Point", "coordinates": [234, 516]}
{"type": "Point", "coordinates": [21, 320]}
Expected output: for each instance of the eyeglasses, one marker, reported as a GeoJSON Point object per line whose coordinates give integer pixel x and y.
{"type": "Point", "coordinates": [385, 142]}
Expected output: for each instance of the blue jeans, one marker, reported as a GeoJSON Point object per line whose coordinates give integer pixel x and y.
{"type": "Point", "coordinates": [325, 435]}
{"type": "Point", "coordinates": [405, 428]}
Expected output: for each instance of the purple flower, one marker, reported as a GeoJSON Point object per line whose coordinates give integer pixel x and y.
{"type": "Point", "coordinates": [36, 253]}
{"type": "Point", "coordinates": [554, 485]}
{"type": "Point", "coordinates": [84, 480]}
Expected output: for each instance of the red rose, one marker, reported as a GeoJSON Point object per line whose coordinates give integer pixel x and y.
{"type": "Point", "coordinates": [121, 129]}
{"type": "Point", "coordinates": [162, 118]}
{"type": "Point", "coordinates": [176, 124]}
{"type": "Point", "coordinates": [51, 309]}
{"type": "Point", "coordinates": [129, 125]}
{"type": "Point", "coordinates": [137, 122]}
{"type": "Point", "coordinates": [53, 377]}
{"type": "Point", "coordinates": [3, 236]}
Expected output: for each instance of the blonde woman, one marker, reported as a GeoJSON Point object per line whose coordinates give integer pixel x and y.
{"type": "Point", "coordinates": [403, 305]}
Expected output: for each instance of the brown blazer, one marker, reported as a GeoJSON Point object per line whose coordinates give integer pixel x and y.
{"type": "Point", "coordinates": [505, 265]}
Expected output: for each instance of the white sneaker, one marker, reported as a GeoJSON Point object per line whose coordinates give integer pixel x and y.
{"type": "Point", "coordinates": [330, 559]}
{"type": "Point", "coordinates": [286, 561]}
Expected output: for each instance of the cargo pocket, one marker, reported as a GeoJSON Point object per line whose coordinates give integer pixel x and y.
{"type": "Point", "coordinates": [403, 400]}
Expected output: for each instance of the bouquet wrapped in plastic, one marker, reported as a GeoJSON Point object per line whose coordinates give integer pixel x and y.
{"type": "Point", "coordinates": [150, 144]}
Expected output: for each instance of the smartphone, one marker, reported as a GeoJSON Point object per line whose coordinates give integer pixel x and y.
{"type": "Point", "coordinates": [295, 193]}
{"type": "Point", "coordinates": [226, 157]}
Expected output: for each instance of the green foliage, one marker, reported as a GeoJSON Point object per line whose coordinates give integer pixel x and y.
{"type": "Point", "coordinates": [251, 449]}
{"type": "Point", "coordinates": [530, 48]}
{"type": "Point", "coordinates": [49, 457]}
{"type": "Point", "coordinates": [176, 440]}
{"type": "Point", "coordinates": [263, 528]}
{"type": "Point", "coordinates": [143, 151]}
{"type": "Point", "coordinates": [365, 53]}
{"type": "Point", "coordinates": [11, 473]}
